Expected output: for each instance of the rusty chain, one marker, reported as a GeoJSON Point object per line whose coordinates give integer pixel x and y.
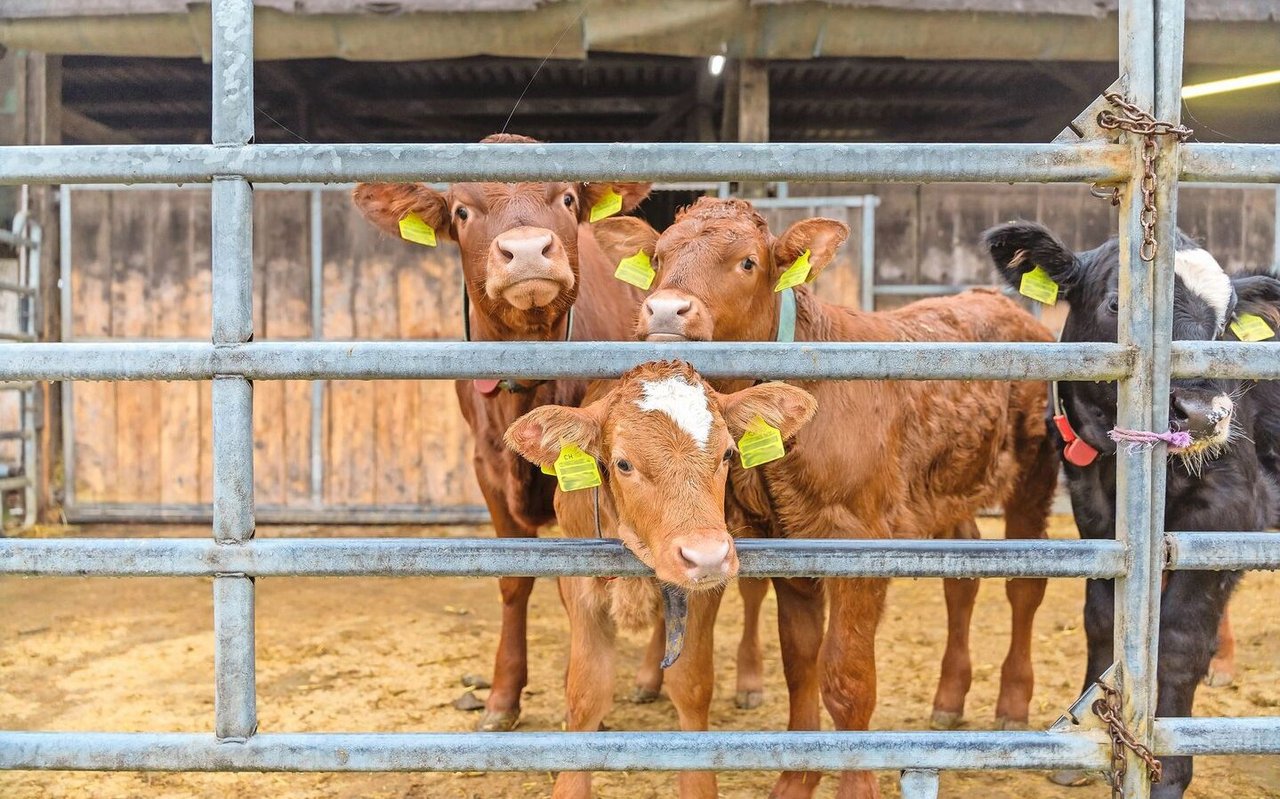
{"type": "Point", "coordinates": [1133, 119]}
{"type": "Point", "coordinates": [1108, 708]}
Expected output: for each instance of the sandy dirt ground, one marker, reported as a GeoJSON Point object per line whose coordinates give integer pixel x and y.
{"type": "Point", "coordinates": [387, 655]}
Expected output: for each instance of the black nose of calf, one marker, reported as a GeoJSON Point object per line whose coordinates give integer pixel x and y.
{"type": "Point", "coordinates": [1195, 414]}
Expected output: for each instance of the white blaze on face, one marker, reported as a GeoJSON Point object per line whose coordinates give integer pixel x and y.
{"type": "Point", "coordinates": [1203, 277]}
{"type": "Point", "coordinates": [684, 403]}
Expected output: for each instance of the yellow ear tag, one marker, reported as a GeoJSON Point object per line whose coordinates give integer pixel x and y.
{"type": "Point", "coordinates": [1037, 285]}
{"type": "Point", "coordinates": [609, 205]}
{"type": "Point", "coordinates": [412, 228]}
{"type": "Point", "coordinates": [761, 443]}
{"type": "Point", "coordinates": [551, 470]}
{"type": "Point", "coordinates": [1251, 327]}
{"type": "Point", "coordinates": [636, 270]}
{"type": "Point", "coordinates": [796, 274]}
{"type": "Point", "coordinates": [576, 469]}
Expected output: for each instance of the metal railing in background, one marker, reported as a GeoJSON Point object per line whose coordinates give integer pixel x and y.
{"type": "Point", "coordinates": [1142, 361]}
{"type": "Point", "coordinates": [21, 475]}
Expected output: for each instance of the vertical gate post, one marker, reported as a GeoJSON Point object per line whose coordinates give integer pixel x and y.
{"type": "Point", "coordinates": [235, 696]}
{"type": "Point", "coordinates": [919, 784]}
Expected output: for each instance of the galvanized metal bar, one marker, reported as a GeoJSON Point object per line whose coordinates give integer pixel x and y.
{"type": "Point", "coordinates": [554, 751]}
{"type": "Point", "coordinates": [1275, 237]}
{"type": "Point", "coordinates": [234, 664]}
{"type": "Point", "coordinates": [1222, 551]}
{"type": "Point", "coordinates": [488, 557]}
{"type": "Point", "coordinates": [330, 163]}
{"type": "Point", "coordinates": [1256, 735]}
{"type": "Point", "coordinates": [919, 784]}
{"type": "Point", "coordinates": [68, 329]}
{"type": "Point", "coordinates": [124, 512]}
{"type": "Point", "coordinates": [232, 50]}
{"type": "Point", "coordinates": [1235, 163]}
{"type": "Point", "coordinates": [1226, 359]}
{"type": "Point", "coordinates": [450, 360]}
{"type": "Point", "coordinates": [233, 519]}
{"type": "Point", "coordinates": [17, 288]}
{"type": "Point", "coordinates": [1136, 611]}
{"type": "Point", "coordinates": [231, 207]}
{"type": "Point", "coordinates": [868, 253]}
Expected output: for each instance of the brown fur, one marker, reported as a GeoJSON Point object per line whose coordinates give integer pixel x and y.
{"type": "Point", "coordinates": [519, 498]}
{"type": "Point", "coordinates": [669, 493]}
{"type": "Point", "coordinates": [905, 459]}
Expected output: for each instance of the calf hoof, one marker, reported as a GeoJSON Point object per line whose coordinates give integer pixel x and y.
{"type": "Point", "coordinates": [498, 721]}
{"type": "Point", "coordinates": [748, 700]}
{"type": "Point", "coordinates": [946, 720]}
{"type": "Point", "coordinates": [644, 696]}
{"type": "Point", "coordinates": [1219, 676]}
{"type": "Point", "coordinates": [1070, 778]}
{"type": "Point", "coordinates": [1011, 725]}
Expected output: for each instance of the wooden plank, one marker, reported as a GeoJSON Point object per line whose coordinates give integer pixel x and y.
{"type": "Point", "coordinates": [376, 317]}
{"type": "Point", "coordinates": [93, 404]}
{"type": "Point", "coordinates": [179, 401]}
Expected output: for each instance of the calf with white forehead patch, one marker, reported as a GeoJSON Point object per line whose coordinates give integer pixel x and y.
{"type": "Point", "coordinates": [907, 459]}
{"type": "Point", "coordinates": [1215, 480]}
{"type": "Point", "coordinates": [662, 441]}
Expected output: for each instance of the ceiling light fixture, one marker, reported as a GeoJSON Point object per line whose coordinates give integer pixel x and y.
{"type": "Point", "coordinates": [1231, 84]}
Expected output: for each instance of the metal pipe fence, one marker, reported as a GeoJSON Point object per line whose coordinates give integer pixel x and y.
{"type": "Point", "coordinates": [1143, 362]}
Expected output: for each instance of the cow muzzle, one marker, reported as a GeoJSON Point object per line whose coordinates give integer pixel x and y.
{"type": "Point", "coordinates": [1205, 415]}
{"type": "Point", "coordinates": [528, 268]}
{"type": "Point", "coordinates": [699, 561]}
{"type": "Point", "coordinates": [673, 316]}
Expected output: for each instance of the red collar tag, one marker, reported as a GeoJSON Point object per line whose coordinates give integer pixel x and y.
{"type": "Point", "coordinates": [1077, 452]}
{"type": "Point", "coordinates": [487, 387]}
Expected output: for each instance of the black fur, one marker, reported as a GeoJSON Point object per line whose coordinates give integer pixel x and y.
{"type": "Point", "coordinates": [1231, 492]}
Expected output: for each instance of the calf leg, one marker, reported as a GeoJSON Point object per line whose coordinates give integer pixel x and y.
{"type": "Point", "coordinates": [848, 663]}
{"type": "Point", "coordinates": [510, 667]}
{"type": "Point", "coordinates": [750, 655]}
{"type": "Point", "coordinates": [649, 677]}
{"type": "Point", "coordinates": [1190, 611]}
{"type": "Point", "coordinates": [957, 668]}
{"type": "Point", "coordinates": [1222, 669]}
{"type": "Point", "coordinates": [690, 681]}
{"type": "Point", "coordinates": [800, 620]}
{"type": "Point", "coordinates": [590, 676]}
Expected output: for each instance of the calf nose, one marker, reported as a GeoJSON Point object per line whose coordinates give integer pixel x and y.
{"type": "Point", "coordinates": [706, 560]}
{"type": "Point", "coordinates": [666, 314]}
{"type": "Point", "coordinates": [529, 248]}
{"type": "Point", "coordinates": [1198, 415]}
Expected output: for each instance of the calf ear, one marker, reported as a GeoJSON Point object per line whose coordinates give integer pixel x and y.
{"type": "Point", "coordinates": [1018, 247]}
{"type": "Point", "coordinates": [385, 204]}
{"type": "Point", "coordinates": [592, 193]}
{"type": "Point", "coordinates": [821, 237]}
{"type": "Point", "coordinates": [1259, 294]}
{"type": "Point", "coordinates": [540, 433]}
{"type": "Point", "coordinates": [784, 406]}
{"type": "Point", "coordinates": [624, 236]}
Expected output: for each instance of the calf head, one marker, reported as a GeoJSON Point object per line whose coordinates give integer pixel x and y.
{"type": "Point", "coordinates": [1206, 300]}
{"type": "Point", "coordinates": [519, 241]}
{"type": "Point", "coordinates": [663, 439]}
{"type": "Point", "coordinates": [717, 266]}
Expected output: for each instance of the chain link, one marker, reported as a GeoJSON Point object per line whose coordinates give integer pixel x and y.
{"type": "Point", "coordinates": [1108, 708]}
{"type": "Point", "coordinates": [1133, 119]}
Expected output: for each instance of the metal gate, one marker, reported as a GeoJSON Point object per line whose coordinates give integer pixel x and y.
{"type": "Point", "coordinates": [1151, 39]}
{"type": "Point", "coordinates": [18, 467]}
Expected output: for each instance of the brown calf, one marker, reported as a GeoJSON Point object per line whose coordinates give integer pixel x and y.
{"type": "Point", "coordinates": [528, 256]}
{"type": "Point", "coordinates": [906, 459]}
{"type": "Point", "coordinates": [663, 440]}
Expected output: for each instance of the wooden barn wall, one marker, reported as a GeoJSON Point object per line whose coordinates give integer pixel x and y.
{"type": "Point", "coordinates": [141, 270]}
{"type": "Point", "coordinates": [10, 402]}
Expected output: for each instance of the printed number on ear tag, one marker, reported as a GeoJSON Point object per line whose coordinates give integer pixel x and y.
{"type": "Point", "coordinates": [761, 443]}
{"type": "Point", "coordinates": [576, 469]}
{"type": "Point", "coordinates": [636, 270]}
{"type": "Point", "coordinates": [413, 228]}
{"type": "Point", "coordinates": [796, 274]}
{"type": "Point", "coordinates": [1251, 327]}
{"type": "Point", "coordinates": [609, 205]}
{"type": "Point", "coordinates": [1037, 285]}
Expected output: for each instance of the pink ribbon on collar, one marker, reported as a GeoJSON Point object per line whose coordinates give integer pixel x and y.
{"type": "Point", "coordinates": [1139, 439]}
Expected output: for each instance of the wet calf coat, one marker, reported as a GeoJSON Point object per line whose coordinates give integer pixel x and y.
{"type": "Point", "coordinates": [1216, 483]}
{"type": "Point", "coordinates": [528, 256]}
{"type": "Point", "coordinates": [883, 458]}
{"type": "Point", "coordinates": [663, 441]}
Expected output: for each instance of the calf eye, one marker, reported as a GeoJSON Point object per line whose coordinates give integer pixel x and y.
{"type": "Point", "coordinates": [569, 201]}
{"type": "Point", "coordinates": [1113, 306]}
{"type": "Point", "coordinates": [461, 212]}
{"type": "Point", "coordinates": [623, 466]}
{"type": "Point", "coordinates": [728, 454]}
{"type": "Point", "coordinates": [748, 264]}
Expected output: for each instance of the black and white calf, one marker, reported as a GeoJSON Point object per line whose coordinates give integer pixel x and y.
{"type": "Point", "coordinates": [1214, 483]}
